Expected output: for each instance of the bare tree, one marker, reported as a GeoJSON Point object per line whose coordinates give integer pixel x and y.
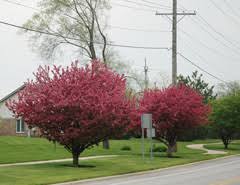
{"type": "Point", "coordinates": [78, 23]}
{"type": "Point", "coordinates": [230, 88]}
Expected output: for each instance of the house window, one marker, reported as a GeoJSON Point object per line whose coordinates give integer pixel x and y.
{"type": "Point", "coordinates": [20, 128]}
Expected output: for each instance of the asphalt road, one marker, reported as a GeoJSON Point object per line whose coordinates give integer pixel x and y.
{"type": "Point", "coordinates": [218, 172]}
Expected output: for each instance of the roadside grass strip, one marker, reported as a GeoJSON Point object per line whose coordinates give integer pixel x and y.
{"type": "Point", "coordinates": [126, 162]}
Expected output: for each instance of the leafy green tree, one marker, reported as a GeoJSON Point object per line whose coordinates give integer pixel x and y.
{"type": "Point", "coordinates": [225, 117]}
{"type": "Point", "coordinates": [195, 81]}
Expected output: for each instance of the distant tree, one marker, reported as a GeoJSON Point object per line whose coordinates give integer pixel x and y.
{"type": "Point", "coordinates": [174, 110]}
{"type": "Point", "coordinates": [196, 82]}
{"type": "Point", "coordinates": [163, 80]}
{"type": "Point", "coordinates": [230, 88]}
{"type": "Point", "coordinates": [226, 116]}
{"type": "Point", "coordinates": [77, 23]}
{"type": "Point", "coordinates": [76, 107]}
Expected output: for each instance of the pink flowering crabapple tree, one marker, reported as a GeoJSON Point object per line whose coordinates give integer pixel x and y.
{"type": "Point", "coordinates": [77, 107]}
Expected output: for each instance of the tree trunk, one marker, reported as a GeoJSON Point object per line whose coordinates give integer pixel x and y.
{"type": "Point", "coordinates": [170, 150]}
{"type": "Point", "coordinates": [75, 156]}
{"type": "Point", "coordinates": [226, 140]}
{"type": "Point", "coordinates": [175, 148]}
{"type": "Point", "coordinates": [225, 146]}
{"type": "Point", "coordinates": [172, 146]}
{"type": "Point", "coordinates": [106, 144]}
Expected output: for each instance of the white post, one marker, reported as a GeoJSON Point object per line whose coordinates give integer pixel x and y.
{"type": "Point", "coordinates": [143, 149]}
{"type": "Point", "coordinates": [151, 153]}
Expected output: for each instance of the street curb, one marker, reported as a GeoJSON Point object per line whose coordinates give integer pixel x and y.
{"type": "Point", "coordinates": [144, 172]}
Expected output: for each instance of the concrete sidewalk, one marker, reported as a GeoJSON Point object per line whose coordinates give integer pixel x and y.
{"type": "Point", "coordinates": [56, 161]}
{"type": "Point", "coordinates": [201, 147]}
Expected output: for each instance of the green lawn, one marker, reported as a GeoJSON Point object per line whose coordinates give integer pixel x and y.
{"type": "Point", "coordinates": [22, 149]}
{"type": "Point", "coordinates": [60, 172]}
{"type": "Point", "coordinates": [126, 162]}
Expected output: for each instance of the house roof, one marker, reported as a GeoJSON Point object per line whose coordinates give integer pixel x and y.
{"type": "Point", "coordinates": [12, 93]}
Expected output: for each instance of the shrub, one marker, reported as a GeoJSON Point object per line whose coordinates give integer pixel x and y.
{"type": "Point", "coordinates": [159, 148]}
{"type": "Point", "coordinates": [126, 148]}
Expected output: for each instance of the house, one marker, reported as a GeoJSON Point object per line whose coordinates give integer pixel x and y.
{"type": "Point", "coordinates": [9, 125]}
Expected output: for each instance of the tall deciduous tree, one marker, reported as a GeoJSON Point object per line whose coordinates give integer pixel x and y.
{"type": "Point", "coordinates": [226, 116]}
{"type": "Point", "coordinates": [174, 110]}
{"type": "Point", "coordinates": [77, 107]}
{"type": "Point", "coordinates": [195, 81]}
{"type": "Point", "coordinates": [77, 23]}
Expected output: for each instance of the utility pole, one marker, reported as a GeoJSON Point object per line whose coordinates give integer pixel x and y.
{"type": "Point", "coordinates": [175, 21]}
{"type": "Point", "coordinates": [174, 43]}
{"type": "Point", "coordinates": [146, 74]}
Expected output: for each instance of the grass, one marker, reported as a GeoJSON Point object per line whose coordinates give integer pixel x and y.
{"type": "Point", "coordinates": [126, 162]}
{"type": "Point", "coordinates": [22, 149]}
{"type": "Point", "coordinates": [60, 172]}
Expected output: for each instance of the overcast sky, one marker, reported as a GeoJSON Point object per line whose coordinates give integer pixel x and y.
{"type": "Point", "coordinates": [214, 44]}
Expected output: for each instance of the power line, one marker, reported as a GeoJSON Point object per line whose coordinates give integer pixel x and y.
{"type": "Point", "coordinates": [30, 7]}
{"type": "Point", "coordinates": [140, 30]}
{"type": "Point", "coordinates": [117, 4]}
{"type": "Point", "coordinates": [145, 5]}
{"type": "Point", "coordinates": [224, 13]}
{"type": "Point", "coordinates": [233, 49]}
{"type": "Point", "coordinates": [153, 3]}
{"type": "Point", "coordinates": [71, 38]}
{"type": "Point", "coordinates": [216, 31]}
{"type": "Point", "coordinates": [214, 50]}
{"type": "Point", "coordinates": [206, 23]}
{"type": "Point", "coordinates": [20, 4]}
{"type": "Point", "coordinates": [231, 8]}
{"type": "Point", "coordinates": [114, 27]}
{"type": "Point", "coordinates": [189, 46]}
{"type": "Point", "coordinates": [133, 7]}
{"type": "Point", "coordinates": [197, 66]}
{"type": "Point", "coordinates": [117, 27]}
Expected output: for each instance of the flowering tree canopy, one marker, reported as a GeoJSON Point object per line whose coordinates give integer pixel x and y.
{"type": "Point", "coordinates": [174, 110]}
{"type": "Point", "coordinates": [75, 106]}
